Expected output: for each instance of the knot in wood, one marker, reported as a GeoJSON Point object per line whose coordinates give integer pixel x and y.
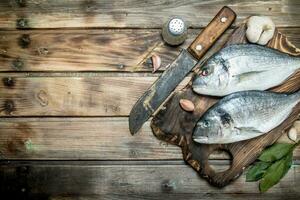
{"type": "Point", "coordinates": [24, 41]}
{"type": "Point", "coordinates": [42, 98]}
{"type": "Point", "coordinates": [21, 3]}
{"type": "Point", "coordinates": [17, 64]}
{"type": "Point", "coordinates": [22, 23]}
{"type": "Point", "coordinates": [168, 185]}
{"type": "Point", "coordinates": [8, 81]}
{"type": "Point", "coordinates": [9, 107]}
{"type": "Point", "coordinates": [121, 66]}
{"type": "Point", "coordinates": [43, 51]}
{"type": "Point", "coordinates": [134, 153]}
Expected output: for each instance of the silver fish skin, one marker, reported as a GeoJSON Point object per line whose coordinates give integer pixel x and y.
{"type": "Point", "coordinates": [244, 67]}
{"type": "Point", "coordinates": [244, 115]}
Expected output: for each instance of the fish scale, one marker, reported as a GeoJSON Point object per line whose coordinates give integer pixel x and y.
{"type": "Point", "coordinates": [250, 114]}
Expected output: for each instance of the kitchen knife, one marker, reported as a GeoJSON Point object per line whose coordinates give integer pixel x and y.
{"type": "Point", "coordinates": [150, 101]}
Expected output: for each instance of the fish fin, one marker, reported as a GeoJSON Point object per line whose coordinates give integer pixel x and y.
{"type": "Point", "coordinates": [252, 130]}
{"type": "Point", "coordinates": [247, 75]}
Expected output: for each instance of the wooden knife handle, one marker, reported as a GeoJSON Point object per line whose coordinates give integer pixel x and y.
{"type": "Point", "coordinates": [212, 32]}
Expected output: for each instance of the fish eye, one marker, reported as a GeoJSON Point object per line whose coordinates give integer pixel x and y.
{"type": "Point", "coordinates": [204, 124]}
{"type": "Point", "coordinates": [206, 71]}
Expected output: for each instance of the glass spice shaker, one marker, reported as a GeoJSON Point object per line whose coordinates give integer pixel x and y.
{"type": "Point", "coordinates": [174, 31]}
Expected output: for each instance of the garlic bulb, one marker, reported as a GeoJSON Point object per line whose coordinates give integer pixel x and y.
{"type": "Point", "coordinates": [260, 29]}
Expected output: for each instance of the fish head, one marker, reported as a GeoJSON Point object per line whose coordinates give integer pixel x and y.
{"type": "Point", "coordinates": [206, 129]}
{"type": "Point", "coordinates": [213, 127]}
{"type": "Point", "coordinates": [213, 77]}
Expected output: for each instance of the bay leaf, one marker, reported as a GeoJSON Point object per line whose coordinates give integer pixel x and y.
{"type": "Point", "coordinates": [256, 171]}
{"type": "Point", "coordinates": [275, 172]}
{"type": "Point", "coordinates": [275, 152]}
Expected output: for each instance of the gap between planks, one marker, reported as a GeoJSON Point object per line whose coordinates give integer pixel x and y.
{"type": "Point", "coordinates": [110, 162]}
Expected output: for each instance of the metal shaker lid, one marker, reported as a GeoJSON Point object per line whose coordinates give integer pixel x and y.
{"type": "Point", "coordinates": [174, 31]}
{"type": "Point", "coordinates": [176, 26]}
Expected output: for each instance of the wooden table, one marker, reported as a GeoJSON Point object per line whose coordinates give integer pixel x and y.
{"type": "Point", "coordinates": [70, 72]}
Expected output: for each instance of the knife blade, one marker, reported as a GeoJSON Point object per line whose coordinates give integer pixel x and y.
{"type": "Point", "coordinates": [150, 101]}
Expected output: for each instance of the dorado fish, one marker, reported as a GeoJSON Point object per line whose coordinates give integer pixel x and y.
{"type": "Point", "coordinates": [244, 115]}
{"type": "Point", "coordinates": [244, 67]}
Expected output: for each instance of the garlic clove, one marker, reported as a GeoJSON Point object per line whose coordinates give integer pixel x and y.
{"type": "Point", "coordinates": [297, 125]}
{"type": "Point", "coordinates": [187, 105]}
{"type": "Point", "coordinates": [267, 34]}
{"type": "Point", "coordinates": [292, 134]}
{"type": "Point", "coordinates": [253, 34]}
{"type": "Point", "coordinates": [265, 37]}
{"type": "Point", "coordinates": [156, 62]}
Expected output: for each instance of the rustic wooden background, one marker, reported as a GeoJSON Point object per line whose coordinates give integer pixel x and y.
{"type": "Point", "coordinates": [70, 72]}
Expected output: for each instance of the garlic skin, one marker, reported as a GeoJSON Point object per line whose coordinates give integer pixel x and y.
{"type": "Point", "coordinates": [297, 125]}
{"type": "Point", "coordinates": [260, 29]}
{"type": "Point", "coordinates": [292, 134]}
{"type": "Point", "coordinates": [187, 105]}
{"type": "Point", "coordinates": [156, 62]}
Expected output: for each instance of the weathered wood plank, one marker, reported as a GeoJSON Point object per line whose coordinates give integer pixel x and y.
{"type": "Point", "coordinates": [130, 182]}
{"type": "Point", "coordinates": [80, 50]}
{"type": "Point", "coordinates": [84, 139]}
{"type": "Point", "coordinates": [71, 96]}
{"type": "Point", "coordinates": [71, 138]}
{"type": "Point", "coordinates": [93, 50]}
{"type": "Point", "coordinates": [133, 13]}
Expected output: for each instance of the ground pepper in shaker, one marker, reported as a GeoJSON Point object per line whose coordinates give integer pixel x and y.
{"type": "Point", "coordinates": [174, 31]}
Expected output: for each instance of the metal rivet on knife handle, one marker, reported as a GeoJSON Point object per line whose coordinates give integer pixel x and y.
{"type": "Point", "coordinates": [223, 19]}
{"type": "Point", "coordinates": [212, 32]}
{"type": "Point", "coordinates": [199, 47]}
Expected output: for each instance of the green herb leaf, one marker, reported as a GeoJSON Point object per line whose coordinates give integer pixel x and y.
{"type": "Point", "coordinates": [276, 152]}
{"type": "Point", "coordinates": [275, 172]}
{"type": "Point", "coordinates": [257, 171]}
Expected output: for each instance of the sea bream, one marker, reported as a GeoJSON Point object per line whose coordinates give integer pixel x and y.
{"type": "Point", "coordinates": [244, 67]}
{"type": "Point", "coordinates": [244, 115]}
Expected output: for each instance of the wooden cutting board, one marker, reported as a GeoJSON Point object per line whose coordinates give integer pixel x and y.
{"type": "Point", "coordinates": [174, 125]}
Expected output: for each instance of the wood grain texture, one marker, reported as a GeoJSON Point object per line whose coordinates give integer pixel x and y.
{"type": "Point", "coordinates": [176, 126]}
{"type": "Point", "coordinates": [80, 138]}
{"type": "Point", "coordinates": [212, 32]}
{"type": "Point", "coordinates": [133, 13]}
{"type": "Point", "coordinates": [71, 96]}
{"type": "Point", "coordinates": [79, 50]}
{"type": "Point", "coordinates": [131, 181]}
{"type": "Point", "coordinates": [116, 50]}
{"type": "Point", "coordinates": [85, 139]}
{"type": "Point", "coordinates": [57, 36]}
